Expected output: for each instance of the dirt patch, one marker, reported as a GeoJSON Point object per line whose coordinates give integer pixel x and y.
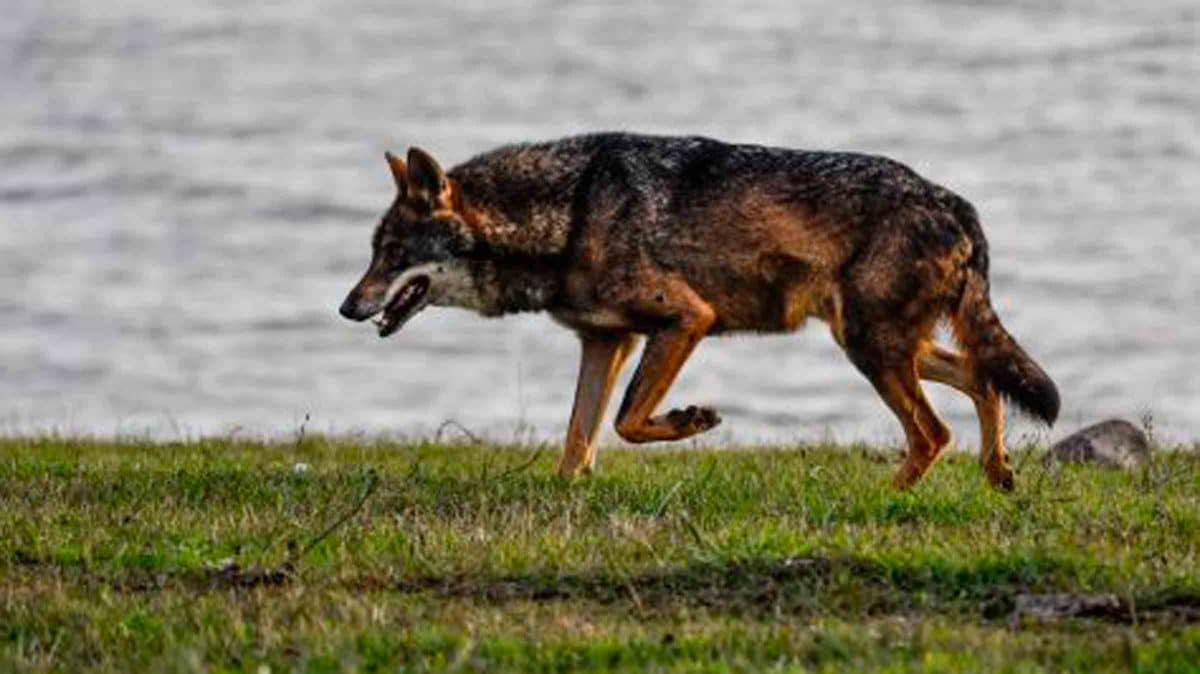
{"type": "Point", "coordinates": [1024, 608]}
{"type": "Point", "coordinates": [793, 586]}
{"type": "Point", "coordinates": [807, 585]}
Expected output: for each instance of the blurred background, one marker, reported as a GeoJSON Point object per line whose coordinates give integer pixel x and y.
{"type": "Point", "coordinates": [188, 190]}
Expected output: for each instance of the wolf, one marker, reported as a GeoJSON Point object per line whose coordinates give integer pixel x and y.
{"type": "Point", "coordinates": [621, 236]}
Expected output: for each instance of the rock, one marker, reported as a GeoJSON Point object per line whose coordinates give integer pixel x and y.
{"type": "Point", "coordinates": [1115, 443]}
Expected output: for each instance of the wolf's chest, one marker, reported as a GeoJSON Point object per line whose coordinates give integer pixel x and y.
{"type": "Point", "coordinates": [594, 319]}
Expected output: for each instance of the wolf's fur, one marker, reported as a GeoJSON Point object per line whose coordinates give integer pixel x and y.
{"type": "Point", "coordinates": [619, 235]}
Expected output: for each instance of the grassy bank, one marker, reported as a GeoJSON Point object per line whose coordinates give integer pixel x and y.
{"type": "Point", "coordinates": [224, 555]}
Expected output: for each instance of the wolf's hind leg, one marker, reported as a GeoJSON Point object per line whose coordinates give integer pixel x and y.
{"type": "Point", "coordinates": [689, 318]}
{"type": "Point", "coordinates": [600, 363]}
{"type": "Point", "coordinates": [902, 282]}
{"type": "Point", "coordinates": [926, 434]}
{"type": "Point", "coordinates": [946, 367]}
{"type": "Point", "coordinates": [990, 410]}
{"type": "Point", "coordinates": [887, 355]}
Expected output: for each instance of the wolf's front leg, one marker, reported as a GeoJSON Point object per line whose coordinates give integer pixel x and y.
{"type": "Point", "coordinates": [666, 351]}
{"type": "Point", "coordinates": [599, 365]}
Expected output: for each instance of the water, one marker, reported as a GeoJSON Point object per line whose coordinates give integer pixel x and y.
{"type": "Point", "coordinates": [188, 191]}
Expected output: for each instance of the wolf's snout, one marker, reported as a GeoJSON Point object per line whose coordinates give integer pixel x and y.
{"type": "Point", "coordinates": [352, 308]}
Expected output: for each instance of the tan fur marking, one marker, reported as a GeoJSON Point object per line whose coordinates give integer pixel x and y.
{"type": "Point", "coordinates": [927, 435]}
{"type": "Point", "coordinates": [952, 369]}
{"type": "Point", "coordinates": [600, 363]}
{"type": "Point", "coordinates": [399, 171]}
{"type": "Point", "coordinates": [665, 353]}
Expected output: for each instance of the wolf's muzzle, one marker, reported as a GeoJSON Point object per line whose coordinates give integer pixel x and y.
{"type": "Point", "coordinates": [352, 308]}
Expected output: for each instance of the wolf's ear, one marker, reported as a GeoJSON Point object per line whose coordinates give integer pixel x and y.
{"type": "Point", "coordinates": [426, 180]}
{"type": "Point", "coordinates": [399, 172]}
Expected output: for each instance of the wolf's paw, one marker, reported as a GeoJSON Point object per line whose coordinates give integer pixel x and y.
{"type": "Point", "coordinates": [909, 474]}
{"type": "Point", "coordinates": [693, 419]}
{"type": "Point", "coordinates": [1001, 477]}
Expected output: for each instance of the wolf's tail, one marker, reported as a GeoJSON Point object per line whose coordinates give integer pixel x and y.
{"type": "Point", "coordinates": [997, 358]}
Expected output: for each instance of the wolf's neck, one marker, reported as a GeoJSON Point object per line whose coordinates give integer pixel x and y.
{"type": "Point", "coordinates": [506, 286]}
{"type": "Point", "coordinates": [519, 202]}
{"type": "Point", "coordinates": [515, 205]}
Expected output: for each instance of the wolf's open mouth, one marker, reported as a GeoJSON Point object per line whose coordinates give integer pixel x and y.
{"type": "Point", "coordinates": [407, 301]}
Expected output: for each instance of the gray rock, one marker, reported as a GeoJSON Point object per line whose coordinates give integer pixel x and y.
{"type": "Point", "coordinates": [1115, 443]}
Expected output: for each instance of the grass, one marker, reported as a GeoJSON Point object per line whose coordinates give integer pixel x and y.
{"type": "Point", "coordinates": [219, 555]}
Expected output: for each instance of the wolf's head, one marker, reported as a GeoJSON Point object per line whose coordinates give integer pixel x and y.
{"type": "Point", "coordinates": [416, 247]}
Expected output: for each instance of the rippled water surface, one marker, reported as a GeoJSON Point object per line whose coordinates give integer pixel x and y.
{"type": "Point", "coordinates": [188, 189]}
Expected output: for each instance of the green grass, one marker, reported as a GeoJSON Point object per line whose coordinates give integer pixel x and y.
{"type": "Point", "coordinates": [209, 556]}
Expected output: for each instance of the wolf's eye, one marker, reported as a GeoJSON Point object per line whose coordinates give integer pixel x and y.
{"type": "Point", "coordinates": [392, 255]}
{"type": "Point", "coordinates": [395, 257]}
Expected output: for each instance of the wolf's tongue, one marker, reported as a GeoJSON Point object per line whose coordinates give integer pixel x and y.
{"type": "Point", "coordinates": [401, 308]}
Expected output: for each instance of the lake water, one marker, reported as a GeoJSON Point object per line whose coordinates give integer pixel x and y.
{"type": "Point", "coordinates": [187, 192]}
